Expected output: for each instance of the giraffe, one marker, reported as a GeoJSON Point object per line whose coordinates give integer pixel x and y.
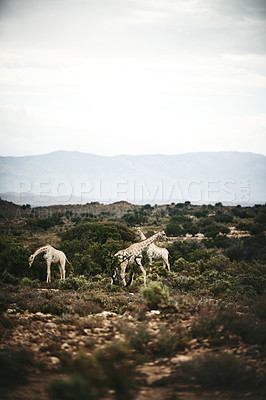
{"type": "Point", "coordinates": [155, 252]}
{"type": "Point", "coordinates": [133, 254]}
{"type": "Point", "coordinates": [51, 256]}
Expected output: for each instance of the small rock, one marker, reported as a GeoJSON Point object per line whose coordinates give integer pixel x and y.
{"type": "Point", "coordinates": [193, 342]}
{"type": "Point", "coordinates": [65, 346]}
{"type": "Point", "coordinates": [107, 314]}
{"type": "Point", "coordinates": [180, 359]}
{"type": "Point", "coordinates": [51, 325]}
{"type": "Point", "coordinates": [55, 360]}
{"type": "Point", "coordinates": [11, 311]}
{"type": "Point", "coordinates": [39, 314]}
{"type": "Point", "coordinates": [153, 313]}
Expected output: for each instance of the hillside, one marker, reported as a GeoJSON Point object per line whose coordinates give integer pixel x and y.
{"type": "Point", "coordinates": [66, 177]}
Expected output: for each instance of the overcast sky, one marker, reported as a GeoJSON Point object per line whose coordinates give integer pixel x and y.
{"type": "Point", "coordinates": [132, 76]}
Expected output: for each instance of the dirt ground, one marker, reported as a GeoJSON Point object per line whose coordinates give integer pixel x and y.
{"type": "Point", "coordinates": [47, 336]}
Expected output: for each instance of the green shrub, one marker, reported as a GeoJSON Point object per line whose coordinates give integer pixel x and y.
{"type": "Point", "coordinates": [91, 377]}
{"type": "Point", "coordinates": [87, 307]}
{"type": "Point", "coordinates": [135, 217]}
{"type": "Point", "coordinates": [190, 250]}
{"type": "Point", "coordinates": [49, 307]}
{"type": "Point", "coordinates": [74, 282]}
{"type": "Point", "coordinates": [72, 388]}
{"type": "Point", "coordinates": [218, 370]}
{"type": "Point", "coordinates": [9, 278]}
{"type": "Point", "coordinates": [14, 367]}
{"type": "Point", "coordinates": [90, 246]}
{"type": "Point", "coordinates": [248, 248]}
{"type": "Point", "coordinates": [45, 223]}
{"type": "Point", "coordinates": [173, 229]}
{"type": "Point", "coordinates": [259, 308]}
{"type": "Point", "coordinates": [155, 294]}
{"type": "Point", "coordinates": [219, 326]}
{"type": "Point", "coordinates": [29, 282]}
{"type": "Point", "coordinates": [138, 338]}
{"type": "Point", "coordinates": [170, 342]}
{"type": "Point", "coordinates": [13, 257]}
{"type": "Point", "coordinates": [185, 283]}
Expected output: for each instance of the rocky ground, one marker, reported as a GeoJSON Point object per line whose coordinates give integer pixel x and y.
{"type": "Point", "coordinates": [161, 346]}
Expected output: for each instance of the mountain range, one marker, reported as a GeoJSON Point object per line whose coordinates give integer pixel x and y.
{"type": "Point", "coordinates": [69, 177]}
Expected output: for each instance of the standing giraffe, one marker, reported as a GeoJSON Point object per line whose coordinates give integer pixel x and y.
{"type": "Point", "coordinates": [155, 252]}
{"type": "Point", "coordinates": [133, 254]}
{"type": "Point", "coordinates": [51, 256]}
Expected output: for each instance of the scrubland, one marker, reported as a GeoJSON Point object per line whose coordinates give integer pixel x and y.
{"type": "Point", "coordinates": [196, 332]}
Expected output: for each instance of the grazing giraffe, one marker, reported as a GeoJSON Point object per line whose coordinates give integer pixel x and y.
{"type": "Point", "coordinates": [133, 254]}
{"type": "Point", "coordinates": [155, 252]}
{"type": "Point", "coordinates": [51, 256]}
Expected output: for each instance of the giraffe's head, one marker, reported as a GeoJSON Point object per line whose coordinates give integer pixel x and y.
{"type": "Point", "coordinates": [140, 233]}
{"type": "Point", "coordinates": [31, 259]}
{"type": "Point", "coordinates": [162, 235]}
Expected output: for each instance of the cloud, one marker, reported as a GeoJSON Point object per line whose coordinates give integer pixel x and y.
{"type": "Point", "coordinates": [135, 27]}
{"type": "Point", "coordinates": [88, 73]}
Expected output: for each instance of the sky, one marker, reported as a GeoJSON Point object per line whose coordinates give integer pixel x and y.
{"type": "Point", "coordinates": [132, 76]}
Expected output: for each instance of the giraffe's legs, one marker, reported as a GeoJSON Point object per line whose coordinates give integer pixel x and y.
{"type": "Point", "coordinates": [62, 269]}
{"type": "Point", "coordinates": [150, 262]}
{"type": "Point", "coordinates": [142, 269]}
{"type": "Point", "coordinates": [113, 276]}
{"type": "Point", "coordinates": [168, 265]}
{"type": "Point", "coordinates": [48, 272]}
{"type": "Point", "coordinates": [123, 272]}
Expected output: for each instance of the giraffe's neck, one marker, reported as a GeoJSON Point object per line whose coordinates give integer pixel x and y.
{"type": "Point", "coordinates": [145, 243]}
{"type": "Point", "coordinates": [141, 234]}
{"type": "Point", "coordinates": [40, 250]}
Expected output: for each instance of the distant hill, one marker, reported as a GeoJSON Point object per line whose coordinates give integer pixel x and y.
{"type": "Point", "coordinates": [66, 177]}
{"type": "Point", "coordinates": [118, 209]}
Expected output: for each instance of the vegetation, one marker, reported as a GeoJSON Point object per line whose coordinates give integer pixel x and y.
{"type": "Point", "coordinates": [201, 326]}
{"type": "Point", "coordinates": [155, 295]}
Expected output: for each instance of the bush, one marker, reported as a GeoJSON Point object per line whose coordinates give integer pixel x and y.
{"type": "Point", "coordinates": [218, 370]}
{"type": "Point", "coordinates": [9, 278]}
{"type": "Point", "coordinates": [90, 246]}
{"type": "Point", "coordinates": [191, 228]}
{"type": "Point", "coordinates": [259, 308]}
{"type": "Point", "coordinates": [173, 229]}
{"type": "Point", "coordinates": [29, 282]}
{"type": "Point", "coordinates": [14, 366]}
{"type": "Point", "coordinates": [74, 282]}
{"type": "Point", "coordinates": [139, 338]}
{"type": "Point", "coordinates": [135, 217]}
{"type": "Point", "coordinates": [71, 388]}
{"type": "Point", "coordinates": [169, 342]}
{"type": "Point", "coordinates": [190, 250]}
{"type": "Point", "coordinates": [45, 223]}
{"type": "Point", "coordinates": [155, 294]}
{"type": "Point", "coordinates": [91, 377]}
{"type": "Point", "coordinates": [13, 257]}
{"type": "Point", "coordinates": [247, 248]}
{"type": "Point", "coordinates": [224, 218]}
{"type": "Point", "coordinates": [185, 283]}
{"type": "Point", "coordinates": [226, 325]}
